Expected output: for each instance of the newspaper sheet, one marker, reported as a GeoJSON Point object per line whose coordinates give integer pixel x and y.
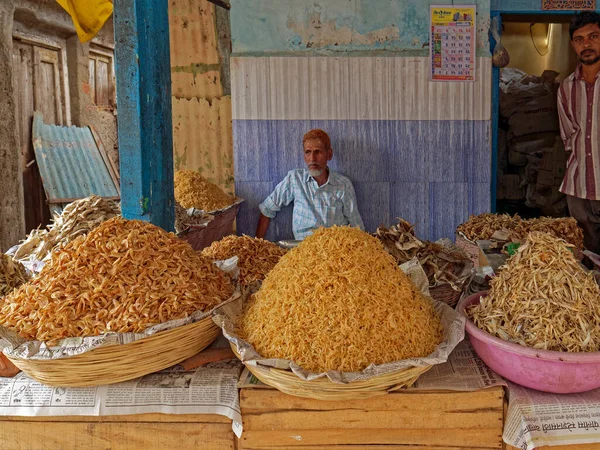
{"type": "Point", "coordinates": [210, 389]}
{"type": "Point", "coordinates": [538, 418]}
{"type": "Point", "coordinates": [463, 371]}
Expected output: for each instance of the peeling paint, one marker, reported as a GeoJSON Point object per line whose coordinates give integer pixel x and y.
{"type": "Point", "coordinates": [196, 68]}
{"type": "Point", "coordinates": [316, 33]}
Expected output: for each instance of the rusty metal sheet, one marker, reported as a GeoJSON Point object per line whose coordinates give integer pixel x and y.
{"type": "Point", "coordinates": [203, 139]}
{"type": "Point", "coordinates": [70, 164]}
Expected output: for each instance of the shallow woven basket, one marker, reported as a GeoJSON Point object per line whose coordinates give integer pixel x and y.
{"type": "Point", "coordinates": [324, 389]}
{"type": "Point", "coordinates": [116, 363]}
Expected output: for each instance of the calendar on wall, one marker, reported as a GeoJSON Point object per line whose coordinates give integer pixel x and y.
{"type": "Point", "coordinates": [452, 44]}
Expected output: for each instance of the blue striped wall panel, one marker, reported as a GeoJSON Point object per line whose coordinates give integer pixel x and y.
{"type": "Point", "coordinates": [253, 156]}
{"type": "Point", "coordinates": [432, 173]}
{"type": "Point", "coordinates": [373, 203]}
{"type": "Point", "coordinates": [410, 201]}
{"type": "Point", "coordinates": [448, 206]}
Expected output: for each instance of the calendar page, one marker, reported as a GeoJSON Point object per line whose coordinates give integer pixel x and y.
{"type": "Point", "coordinates": [452, 45]}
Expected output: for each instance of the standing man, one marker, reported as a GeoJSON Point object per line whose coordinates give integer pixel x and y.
{"type": "Point", "coordinates": [579, 113]}
{"type": "Point", "coordinates": [322, 197]}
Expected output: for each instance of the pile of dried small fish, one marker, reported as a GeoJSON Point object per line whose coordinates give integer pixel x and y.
{"type": "Point", "coordinates": [442, 261]}
{"type": "Point", "coordinates": [484, 226]}
{"type": "Point", "coordinates": [564, 228]}
{"type": "Point", "coordinates": [78, 218]}
{"type": "Point", "coordinates": [504, 228]}
{"type": "Point", "coordinates": [185, 220]}
{"type": "Point", "coordinates": [12, 274]}
{"type": "Point", "coordinates": [192, 190]}
{"type": "Point", "coordinates": [124, 276]}
{"type": "Point", "coordinates": [543, 299]}
{"type": "Point", "coordinates": [256, 257]}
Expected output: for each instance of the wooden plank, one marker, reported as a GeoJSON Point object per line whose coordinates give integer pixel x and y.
{"type": "Point", "coordinates": [269, 400]}
{"type": "Point", "coordinates": [144, 105]}
{"type": "Point", "coordinates": [110, 165]}
{"type": "Point", "coordinates": [114, 436]}
{"type": "Point", "coordinates": [458, 437]}
{"type": "Point", "coordinates": [364, 447]}
{"type": "Point", "coordinates": [474, 419]}
{"type": "Point", "coordinates": [161, 418]}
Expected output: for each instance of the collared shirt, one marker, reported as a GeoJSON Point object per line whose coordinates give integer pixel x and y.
{"type": "Point", "coordinates": [333, 203]}
{"type": "Point", "coordinates": [578, 109]}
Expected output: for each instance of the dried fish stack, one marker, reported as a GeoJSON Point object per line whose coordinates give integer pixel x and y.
{"type": "Point", "coordinates": [12, 274]}
{"type": "Point", "coordinates": [192, 190]}
{"type": "Point", "coordinates": [441, 263]}
{"type": "Point", "coordinates": [543, 299]}
{"type": "Point", "coordinates": [484, 226]}
{"type": "Point", "coordinates": [338, 301]}
{"type": "Point", "coordinates": [77, 219]}
{"type": "Point", "coordinates": [124, 276]}
{"type": "Point", "coordinates": [564, 228]}
{"type": "Point", "coordinates": [256, 257]}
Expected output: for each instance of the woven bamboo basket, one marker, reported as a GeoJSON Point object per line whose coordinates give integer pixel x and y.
{"type": "Point", "coordinates": [444, 293]}
{"type": "Point", "coordinates": [116, 363]}
{"type": "Point", "coordinates": [324, 389]}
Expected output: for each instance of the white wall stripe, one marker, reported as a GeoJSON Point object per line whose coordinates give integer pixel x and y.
{"type": "Point", "coordinates": [354, 88]}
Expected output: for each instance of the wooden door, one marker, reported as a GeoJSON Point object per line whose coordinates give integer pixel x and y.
{"type": "Point", "coordinates": [37, 78]}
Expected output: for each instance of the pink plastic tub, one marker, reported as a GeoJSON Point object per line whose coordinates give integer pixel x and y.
{"type": "Point", "coordinates": [544, 370]}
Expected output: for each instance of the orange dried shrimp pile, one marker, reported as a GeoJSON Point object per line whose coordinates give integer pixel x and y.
{"type": "Point", "coordinates": [338, 301]}
{"type": "Point", "coordinates": [256, 257]}
{"type": "Point", "coordinates": [124, 276]}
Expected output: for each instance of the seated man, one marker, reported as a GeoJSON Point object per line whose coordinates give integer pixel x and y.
{"type": "Point", "coordinates": [322, 197]}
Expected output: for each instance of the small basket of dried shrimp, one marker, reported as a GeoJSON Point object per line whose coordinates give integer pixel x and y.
{"type": "Point", "coordinates": [126, 300]}
{"type": "Point", "coordinates": [336, 319]}
{"type": "Point", "coordinates": [539, 324]}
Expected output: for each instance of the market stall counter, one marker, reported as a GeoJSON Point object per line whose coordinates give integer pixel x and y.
{"type": "Point", "coordinates": [427, 419]}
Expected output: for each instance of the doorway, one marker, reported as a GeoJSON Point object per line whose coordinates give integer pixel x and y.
{"type": "Point", "coordinates": [528, 152]}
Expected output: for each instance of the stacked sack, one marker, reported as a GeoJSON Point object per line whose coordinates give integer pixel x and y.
{"type": "Point", "coordinates": [531, 154]}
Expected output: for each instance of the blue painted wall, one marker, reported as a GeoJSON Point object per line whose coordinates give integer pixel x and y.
{"type": "Point", "coordinates": [430, 172]}
{"type": "Point", "coordinates": [276, 27]}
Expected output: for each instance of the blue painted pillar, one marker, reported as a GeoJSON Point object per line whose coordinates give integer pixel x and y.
{"type": "Point", "coordinates": [144, 106]}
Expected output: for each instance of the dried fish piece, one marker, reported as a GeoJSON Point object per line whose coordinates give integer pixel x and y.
{"type": "Point", "coordinates": [12, 274]}
{"type": "Point", "coordinates": [124, 276]}
{"type": "Point", "coordinates": [78, 218]}
{"type": "Point", "coordinates": [256, 257]}
{"type": "Point", "coordinates": [543, 298]}
{"type": "Point", "coordinates": [192, 190]}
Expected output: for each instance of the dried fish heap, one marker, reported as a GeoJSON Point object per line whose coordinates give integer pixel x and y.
{"type": "Point", "coordinates": [484, 226]}
{"type": "Point", "coordinates": [562, 227]}
{"type": "Point", "coordinates": [543, 299]}
{"type": "Point", "coordinates": [442, 264]}
{"type": "Point", "coordinates": [256, 257]}
{"type": "Point", "coordinates": [78, 218]}
{"type": "Point", "coordinates": [338, 301]}
{"type": "Point", "coordinates": [124, 276]}
{"type": "Point", "coordinates": [12, 274]}
{"type": "Point", "coordinates": [192, 190]}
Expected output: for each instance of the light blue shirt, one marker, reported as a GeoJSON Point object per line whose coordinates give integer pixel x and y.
{"type": "Point", "coordinates": [333, 203]}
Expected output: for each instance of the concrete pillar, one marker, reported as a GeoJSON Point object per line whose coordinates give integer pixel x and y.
{"type": "Point", "coordinates": [77, 62]}
{"type": "Point", "coordinates": [12, 219]}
